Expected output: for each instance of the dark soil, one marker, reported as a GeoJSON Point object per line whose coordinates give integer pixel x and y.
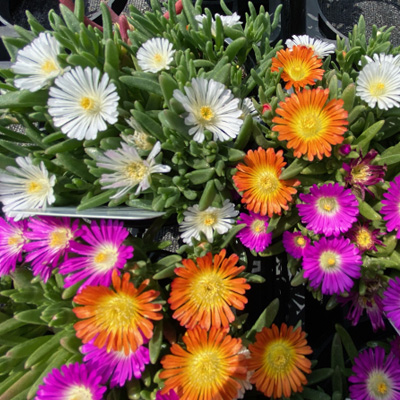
{"type": "Point", "coordinates": [344, 14]}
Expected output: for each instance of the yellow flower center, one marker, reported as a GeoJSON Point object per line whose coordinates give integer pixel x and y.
{"type": "Point", "coordinates": [297, 70]}
{"type": "Point", "coordinates": [300, 241]}
{"type": "Point", "coordinates": [379, 385]}
{"type": "Point", "coordinates": [329, 261]}
{"type": "Point", "coordinates": [278, 358]}
{"type": "Point", "coordinates": [78, 393]}
{"type": "Point", "coordinates": [360, 173]}
{"type": "Point", "coordinates": [206, 113]}
{"type": "Point", "coordinates": [268, 183]}
{"type": "Point", "coordinates": [105, 258]}
{"type": "Point", "coordinates": [158, 58]}
{"type": "Point", "coordinates": [48, 66]}
{"type": "Point", "coordinates": [258, 226]}
{"type": "Point", "coordinates": [141, 141]}
{"type": "Point", "coordinates": [34, 187]}
{"type": "Point", "coordinates": [363, 239]}
{"type": "Point", "coordinates": [310, 126]}
{"type": "Point", "coordinates": [16, 241]}
{"type": "Point", "coordinates": [377, 89]}
{"type": "Point", "coordinates": [209, 219]}
{"type": "Point", "coordinates": [208, 290]}
{"type": "Point", "coordinates": [328, 205]}
{"type": "Point", "coordinates": [136, 171]}
{"type": "Point", "coordinates": [60, 238]}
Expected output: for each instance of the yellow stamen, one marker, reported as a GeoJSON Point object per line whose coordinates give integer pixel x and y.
{"type": "Point", "coordinates": [258, 226]}
{"type": "Point", "coordinates": [206, 113]}
{"type": "Point", "coordinates": [206, 366]}
{"type": "Point", "coordinates": [310, 126]}
{"type": "Point", "coordinates": [158, 58]}
{"type": "Point", "coordinates": [119, 310]}
{"type": "Point", "coordinates": [15, 240]}
{"type": "Point", "coordinates": [300, 241]}
{"type": "Point", "coordinates": [378, 384]}
{"type": "Point", "coordinates": [34, 187]}
{"type": "Point", "coordinates": [208, 290]}
{"type": "Point", "coordinates": [48, 66]}
{"type": "Point", "coordinates": [360, 173]}
{"type": "Point", "coordinates": [278, 358]}
{"type": "Point", "coordinates": [382, 388]}
{"type": "Point", "coordinates": [327, 204]}
{"type": "Point", "coordinates": [296, 71]}
{"type": "Point", "coordinates": [209, 219]}
{"type": "Point", "coordinates": [377, 89]}
{"type": "Point", "coordinates": [87, 103]}
{"type": "Point", "coordinates": [363, 238]}
{"type": "Point", "coordinates": [136, 171]}
{"type": "Point", "coordinates": [268, 182]}
{"type": "Point", "coordinates": [78, 393]}
{"type": "Point", "coordinates": [329, 261]}
{"type": "Point", "coordinates": [60, 238]}
{"type": "Point", "coordinates": [106, 258]}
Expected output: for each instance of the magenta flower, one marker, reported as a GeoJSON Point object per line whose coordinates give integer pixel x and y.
{"type": "Point", "coordinates": [115, 364]}
{"type": "Point", "coordinates": [371, 302]}
{"type": "Point", "coordinates": [395, 346]}
{"type": "Point", "coordinates": [364, 238]}
{"type": "Point", "coordinates": [254, 235]}
{"type": "Point", "coordinates": [360, 173]}
{"type": "Point", "coordinates": [50, 240]}
{"type": "Point", "coordinates": [344, 150]}
{"type": "Point", "coordinates": [73, 381]}
{"type": "Point", "coordinates": [12, 241]}
{"type": "Point", "coordinates": [103, 253]}
{"type": "Point", "coordinates": [391, 207]}
{"type": "Point", "coordinates": [391, 301]}
{"type": "Point", "coordinates": [329, 209]}
{"type": "Point", "coordinates": [171, 395]}
{"type": "Point", "coordinates": [376, 377]}
{"type": "Point", "coordinates": [295, 243]}
{"type": "Point", "coordinates": [332, 264]}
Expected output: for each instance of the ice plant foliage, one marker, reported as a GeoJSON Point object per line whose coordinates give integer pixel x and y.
{"type": "Point", "coordinates": [12, 241]}
{"type": "Point", "coordinates": [73, 381]}
{"type": "Point", "coordinates": [391, 209]}
{"type": "Point", "coordinates": [49, 241]}
{"type": "Point", "coordinates": [102, 253]}
{"type": "Point", "coordinates": [208, 367]}
{"type": "Point", "coordinates": [391, 301]}
{"type": "Point", "coordinates": [278, 359]}
{"type": "Point", "coordinates": [210, 106]}
{"type": "Point", "coordinates": [310, 123]}
{"type": "Point", "coordinates": [329, 209]}
{"type": "Point", "coordinates": [205, 290]}
{"type": "Point", "coordinates": [295, 243]}
{"type": "Point", "coordinates": [375, 376]}
{"type": "Point", "coordinates": [226, 20]}
{"type": "Point", "coordinates": [118, 319]}
{"type": "Point", "coordinates": [82, 102]}
{"type": "Point", "coordinates": [321, 49]}
{"type": "Point", "coordinates": [300, 66]}
{"type": "Point", "coordinates": [254, 235]}
{"type": "Point", "coordinates": [332, 265]}
{"type": "Point", "coordinates": [129, 169]}
{"type": "Point", "coordinates": [258, 178]}
{"type": "Point", "coordinates": [27, 187]}
{"type": "Point", "coordinates": [155, 55]}
{"type": "Point", "coordinates": [208, 221]}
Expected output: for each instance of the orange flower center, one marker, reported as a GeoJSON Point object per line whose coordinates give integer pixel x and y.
{"type": "Point", "coordinates": [268, 183]}
{"type": "Point", "coordinates": [208, 290]}
{"type": "Point", "coordinates": [77, 392]}
{"type": "Point", "coordinates": [278, 358]}
{"type": "Point", "coordinates": [60, 238]}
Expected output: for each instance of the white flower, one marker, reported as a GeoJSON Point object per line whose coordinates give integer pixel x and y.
{"type": "Point", "coordinates": [210, 106]}
{"type": "Point", "coordinates": [81, 104]}
{"type": "Point", "coordinates": [382, 58]}
{"type": "Point", "coordinates": [321, 48]}
{"type": "Point", "coordinates": [227, 21]}
{"type": "Point", "coordinates": [39, 61]}
{"type": "Point", "coordinates": [141, 140]}
{"type": "Point", "coordinates": [379, 83]}
{"type": "Point", "coordinates": [247, 107]}
{"type": "Point", "coordinates": [207, 221]}
{"type": "Point", "coordinates": [130, 169]}
{"type": "Point", "coordinates": [27, 187]}
{"type": "Point", "coordinates": [155, 55]}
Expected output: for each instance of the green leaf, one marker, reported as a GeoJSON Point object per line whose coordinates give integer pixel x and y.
{"type": "Point", "coordinates": [23, 99]}
{"type": "Point", "coordinates": [156, 341]}
{"type": "Point", "coordinates": [25, 349]}
{"type": "Point", "coordinates": [319, 375]}
{"type": "Point", "coordinates": [311, 394]}
{"type": "Point", "coordinates": [264, 320]}
{"type": "Point", "coordinates": [294, 168]}
{"type": "Point", "coordinates": [141, 82]}
{"type": "Point", "coordinates": [30, 317]}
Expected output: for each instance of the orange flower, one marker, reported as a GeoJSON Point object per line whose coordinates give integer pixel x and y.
{"type": "Point", "coordinates": [117, 319]}
{"type": "Point", "coordinates": [278, 361]}
{"type": "Point", "coordinates": [208, 369]}
{"type": "Point", "coordinates": [309, 124]}
{"type": "Point", "coordinates": [205, 291]}
{"type": "Point", "coordinates": [300, 66]}
{"type": "Point", "coordinates": [258, 179]}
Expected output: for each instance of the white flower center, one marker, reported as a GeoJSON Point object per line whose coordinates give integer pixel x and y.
{"type": "Point", "coordinates": [209, 219]}
{"type": "Point", "coordinates": [78, 393]}
{"type": "Point", "coordinates": [377, 89]}
{"type": "Point", "coordinates": [379, 385]}
{"type": "Point", "coordinates": [16, 241]}
{"type": "Point", "coordinates": [60, 238]}
{"type": "Point", "coordinates": [327, 205]}
{"type": "Point", "coordinates": [136, 171]}
{"type": "Point", "coordinates": [329, 261]}
{"type": "Point", "coordinates": [105, 258]}
{"type": "Point", "coordinates": [48, 66]}
{"type": "Point", "coordinates": [258, 226]}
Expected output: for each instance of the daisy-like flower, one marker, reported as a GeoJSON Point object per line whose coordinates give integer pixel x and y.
{"type": "Point", "coordinates": [295, 243]}
{"type": "Point", "coordinates": [73, 381]}
{"type": "Point", "coordinates": [379, 84]}
{"type": "Point", "coordinates": [29, 187]}
{"type": "Point", "coordinates": [155, 55]}
{"type": "Point", "coordinates": [12, 241]}
{"type": "Point", "coordinates": [332, 264]}
{"type": "Point", "coordinates": [278, 358]}
{"type": "Point", "coordinates": [205, 290]}
{"type": "Point", "coordinates": [117, 319]}
{"type": "Point", "coordinates": [39, 62]}
{"type": "Point", "coordinates": [254, 235]}
{"type": "Point", "coordinates": [227, 21]}
{"type": "Point", "coordinates": [247, 107]}
{"type": "Point", "coordinates": [360, 173]}
{"type": "Point", "coordinates": [49, 240]}
{"type": "Point", "coordinates": [130, 170]}
{"type": "Point", "coordinates": [390, 208]}
{"type": "Point", "coordinates": [383, 58]}
{"type": "Point", "coordinates": [208, 368]}
{"type": "Point", "coordinates": [376, 377]}
{"type": "Point", "coordinates": [117, 365]}
{"type": "Point", "coordinates": [141, 140]}
{"type": "Point", "coordinates": [103, 253]}
{"type": "Point", "coordinates": [210, 106]}
{"type": "Point", "coordinates": [329, 209]}
{"type": "Point", "coordinates": [258, 178]}
{"type": "Point", "coordinates": [300, 66]}
{"type": "Point", "coordinates": [391, 301]}
{"type": "Point", "coordinates": [310, 123]}
{"type": "Point", "coordinates": [320, 48]}
{"type": "Point", "coordinates": [171, 395]}
{"type": "Point", "coordinates": [82, 102]}
{"type": "Point", "coordinates": [208, 221]}
{"type": "Point", "coordinates": [364, 238]}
